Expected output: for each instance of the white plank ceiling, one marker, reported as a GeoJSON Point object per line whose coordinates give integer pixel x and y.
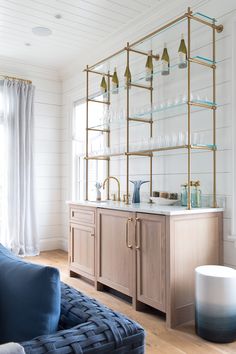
{"type": "Point", "coordinates": [83, 24]}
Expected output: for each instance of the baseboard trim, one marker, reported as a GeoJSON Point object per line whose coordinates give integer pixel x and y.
{"type": "Point", "coordinates": [53, 243]}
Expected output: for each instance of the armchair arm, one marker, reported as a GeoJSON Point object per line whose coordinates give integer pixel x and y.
{"type": "Point", "coordinates": [77, 308]}
{"type": "Point", "coordinates": [101, 336]}
{"type": "Point", "coordinates": [88, 327]}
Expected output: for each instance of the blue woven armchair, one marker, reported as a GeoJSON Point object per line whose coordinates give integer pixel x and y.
{"type": "Point", "coordinates": [88, 327]}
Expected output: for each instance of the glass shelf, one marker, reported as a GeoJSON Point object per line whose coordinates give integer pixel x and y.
{"type": "Point", "coordinates": [181, 108]}
{"type": "Point", "coordinates": [207, 60]}
{"type": "Point", "coordinates": [148, 152]}
{"type": "Point", "coordinates": [140, 77]}
{"type": "Point", "coordinates": [205, 104]}
{"type": "Point", "coordinates": [204, 17]}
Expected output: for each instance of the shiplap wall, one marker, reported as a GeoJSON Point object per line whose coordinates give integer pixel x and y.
{"type": "Point", "coordinates": [48, 133]}
{"type": "Point", "coordinates": [170, 171]}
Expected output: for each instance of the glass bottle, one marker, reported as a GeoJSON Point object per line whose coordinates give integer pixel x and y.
{"type": "Point", "coordinates": [193, 194]}
{"type": "Point", "coordinates": [127, 76]}
{"type": "Point", "coordinates": [149, 67]}
{"type": "Point", "coordinates": [103, 85]}
{"type": "Point", "coordinates": [182, 52]}
{"type": "Point", "coordinates": [115, 82]}
{"type": "Point", "coordinates": [165, 61]}
{"type": "Point", "coordinates": [184, 194]}
{"type": "Point", "coordinates": [198, 194]}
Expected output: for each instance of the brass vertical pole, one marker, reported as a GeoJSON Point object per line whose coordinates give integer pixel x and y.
{"type": "Point", "coordinates": [127, 127]}
{"type": "Point", "coordinates": [189, 112]}
{"type": "Point", "coordinates": [108, 134]}
{"type": "Point", "coordinates": [214, 114]}
{"type": "Point", "coordinates": [151, 131]}
{"type": "Point", "coordinates": [86, 151]}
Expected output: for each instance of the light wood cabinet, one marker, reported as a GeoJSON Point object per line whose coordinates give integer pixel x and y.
{"type": "Point", "coordinates": [82, 250]}
{"type": "Point", "coordinates": [149, 257]}
{"type": "Point", "coordinates": [131, 255]}
{"type": "Point", "coordinates": [191, 241]}
{"type": "Point", "coordinates": [115, 250]}
{"type": "Point", "coordinates": [82, 242]}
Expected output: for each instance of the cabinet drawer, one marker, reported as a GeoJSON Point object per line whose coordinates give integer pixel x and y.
{"type": "Point", "coordinates": [82, 215]}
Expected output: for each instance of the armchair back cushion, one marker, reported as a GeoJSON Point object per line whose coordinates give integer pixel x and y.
{"type": "Point", "coordinates": [29, 299]}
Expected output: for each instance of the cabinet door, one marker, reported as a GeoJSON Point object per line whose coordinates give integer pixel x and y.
{"type": "Point", "coordinates": [151, 259]}
{"type": "Point", "coordinates": [82, 250]}
{"type": "Point", "coordinates": [115, 250]}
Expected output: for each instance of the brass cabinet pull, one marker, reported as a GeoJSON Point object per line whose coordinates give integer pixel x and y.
{"type": "Point", "coordinates": [127, 233]}
{"type": "Point", "coordinates": [137, 234]}
{"type": "Point", "coordinates": [92, 234]}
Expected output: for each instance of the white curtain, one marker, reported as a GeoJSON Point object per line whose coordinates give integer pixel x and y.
{"type": "Point", "coordinates": [19, 229]}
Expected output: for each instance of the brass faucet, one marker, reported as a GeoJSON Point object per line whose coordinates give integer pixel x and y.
{"type": "Point", "coordinates": [116, 179]}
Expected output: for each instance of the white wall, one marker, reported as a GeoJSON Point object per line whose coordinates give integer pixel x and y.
{"type": "Point", "coordinates": [170, 172]}
{"type": "Point", "coordinates": [48, 135]}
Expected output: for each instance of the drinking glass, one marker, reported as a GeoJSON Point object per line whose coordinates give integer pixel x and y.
{"type": "Point", "coordinates": [166, 141]}
{"type": "Point", "coordinates": [195, 138]}
{"type": "Point", "coordinates": [184, 98]}
{"type": "Point", "coordinates": [173, 139]}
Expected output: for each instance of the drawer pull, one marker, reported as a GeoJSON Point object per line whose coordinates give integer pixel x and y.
{"type": "Point", "coordinates": [137, 234]}
{"type": "Point", "coordinates": [127, 233]}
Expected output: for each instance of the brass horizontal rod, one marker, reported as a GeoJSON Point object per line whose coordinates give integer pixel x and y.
{"type": "Point", "coordinates": [98, 130]}
{"type": "Point", "coordinates": [98, 72]}
{"type": "Point", "coordinates": [169, 148]}
{"type": "Point", "coordinates": [201, 105]}
{"type": "Point", "coordinates": [16, 78]}
{"type": "Point", "coordinates": [155, 150]}
{"type": "Point", "coordinates": [154, 56]}
{"type": "Point", "coordinates": [171, 23]}
{"type": "Point", "coordinates": [198, 61]}
{"type": "Point", "coordinates": [147, 154]}
{"type": "Point", "coordinates": [107, 58]}
{"type": "Point", "coordinates": [218, 28]}
{"type": "Point", "coordinates": [199, 147]}
{"type": "Point", "coordinates": [140, 86]}
{"type": "Point", "coordinates": [97, 158]}
{"type": "Point", "coordinates": [105, 156]}
{"type": "Point", "coordinates": [141, 120]}
{"type": "Point", "coordinates": [96, 101]}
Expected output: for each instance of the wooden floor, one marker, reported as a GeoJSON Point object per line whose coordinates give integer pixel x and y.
{"type": "Point", "coordinates": [159, 340]}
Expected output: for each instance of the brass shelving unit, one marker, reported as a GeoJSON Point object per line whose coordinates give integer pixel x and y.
{"type": "Point", "coordinates": [130, 48]}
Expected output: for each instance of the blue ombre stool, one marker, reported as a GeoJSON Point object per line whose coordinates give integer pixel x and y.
{"type": "Point", "coordinates": [215, 303]}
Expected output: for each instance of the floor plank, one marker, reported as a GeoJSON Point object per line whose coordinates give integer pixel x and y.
{"type": "Point", "coordinates": [159, 340]}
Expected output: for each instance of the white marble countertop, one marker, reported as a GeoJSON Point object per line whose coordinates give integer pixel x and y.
{"type": "Point", "coordinates": [145, 207]}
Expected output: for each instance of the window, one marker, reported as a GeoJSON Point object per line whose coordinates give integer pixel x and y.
{"type": "Point", "coordinates": [96, 140]}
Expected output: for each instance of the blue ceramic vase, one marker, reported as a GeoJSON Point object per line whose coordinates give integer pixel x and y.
{"type": "Point", "coordinates": [136, 193]}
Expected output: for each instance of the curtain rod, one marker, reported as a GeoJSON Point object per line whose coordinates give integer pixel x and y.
{"type": "Point", "coordinates": [16, 78]}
